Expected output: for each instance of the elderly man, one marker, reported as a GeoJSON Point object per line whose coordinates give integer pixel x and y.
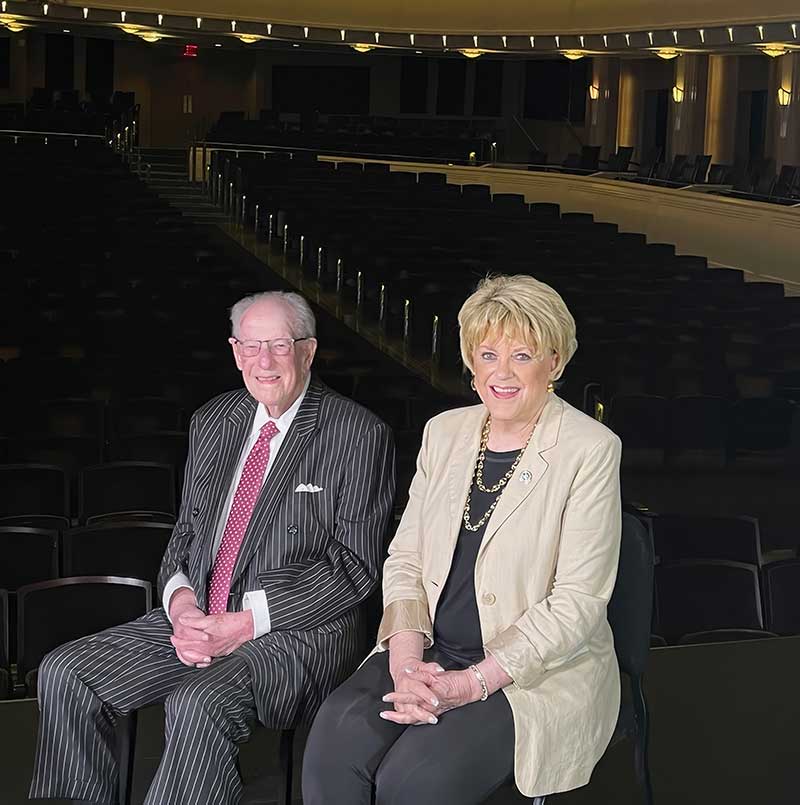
{"type": "Point", "coordinates": [285, 507]}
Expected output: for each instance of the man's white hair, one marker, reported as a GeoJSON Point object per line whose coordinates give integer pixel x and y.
{"type": "Point", "coordinates": [301, 318]}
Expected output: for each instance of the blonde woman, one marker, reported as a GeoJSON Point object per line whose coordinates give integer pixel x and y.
{"type": "Point", "coordinates": [494, 658]}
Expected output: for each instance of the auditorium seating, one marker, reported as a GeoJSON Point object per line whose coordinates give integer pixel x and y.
{"type": "Point", "coordinates": [52, 613]}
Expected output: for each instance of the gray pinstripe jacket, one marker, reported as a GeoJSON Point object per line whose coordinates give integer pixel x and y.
{"type": "Point", "coordinates": [316, 555]}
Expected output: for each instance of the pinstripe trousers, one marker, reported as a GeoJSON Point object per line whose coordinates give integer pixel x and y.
{"type": "Point", "coordinates": [85, 685]}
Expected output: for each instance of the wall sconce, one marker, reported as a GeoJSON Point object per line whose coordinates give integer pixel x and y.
{"type": "Point", "coordinates": [784, 102]}
{"type": "Point", "coordinates": [667, 53]}
{"type": "Point", "coordinates": [677, 97]}
{"type": "Point", "coordinates": [361, 47]}
{"type": "Point", "coordinates": [594, 95]}
{"type": "Point", "coordinates": [150, 36]}
{"type": "Point", "coordinates": [573, 55]}
{"type": "Point", "coordinates": [248, 39]}
{"type": "Point", "coordinates": [471, 53]}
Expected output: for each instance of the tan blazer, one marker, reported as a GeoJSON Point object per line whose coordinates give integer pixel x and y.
{"type": "Point", "coordinates": [544, 574]}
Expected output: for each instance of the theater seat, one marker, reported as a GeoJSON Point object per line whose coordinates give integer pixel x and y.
{"type": "Point", "coordinates": [678, 537]}
{"type": "Point", "coordinates": [28, 555]}
{"type": "Point", "coordinates": [698, 596]}
{"type": "Point", "coordinates": [782, 594]}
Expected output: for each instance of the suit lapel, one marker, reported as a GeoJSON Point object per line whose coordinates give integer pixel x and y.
{"type": "Point", "coordinates": [273, 493]}
{"type": "Point", "coordinates": [516, 492]}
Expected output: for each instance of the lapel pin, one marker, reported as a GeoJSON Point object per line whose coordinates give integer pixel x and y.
{"type": "Point", "coordinates": [525, 476]}
{"type": "Point", "coordinates": [292, 529]}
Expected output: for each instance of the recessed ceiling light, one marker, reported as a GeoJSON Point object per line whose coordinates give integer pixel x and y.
{"type": "Point", "coordinates": [295, 45]}
{"type": "Point", "coordinates": [65, 30]}
{"type": "Point", "coordinates": [217, 44]}
{"type": "Point", "coordinates": [418, 52]}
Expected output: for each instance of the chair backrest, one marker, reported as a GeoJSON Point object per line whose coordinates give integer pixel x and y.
{"type": "Point", "coordinates": [126, 486]}
{"type": "Point", "coordinates": [29, 555]}
{"type": "Point", "coordinates": [679, 537]}
{"type": "Point", "coordinates": [782, 594]}
{"type": "Point", "coordinates": [701, 595]}
{"type": "Point", "coordinates": [131, 549]}
{"type": "Point", "coordinates": [4, 629]}
{"type": "Point", "coordinates": [33, 489]}
{"type": "Point", "coordinates": [54, 612]}
{"type": "Point", "coordinates": [630, 607]}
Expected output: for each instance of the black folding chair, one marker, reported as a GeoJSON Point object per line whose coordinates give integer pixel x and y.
{"type": "Point", "coordinates": [132, 549]}
{"type": "Point", "coordinates": [629, 613]}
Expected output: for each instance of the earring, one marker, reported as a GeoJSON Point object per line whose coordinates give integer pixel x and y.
{"type": "Point", "coordinates": [550, 387]}
{"type": "Point", "coordinates": [472, 383]}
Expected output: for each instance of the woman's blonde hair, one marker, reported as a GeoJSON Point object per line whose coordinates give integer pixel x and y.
{"type": "Point", "coordinates": [520, 308]}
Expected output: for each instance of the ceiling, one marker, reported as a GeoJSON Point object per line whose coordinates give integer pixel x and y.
{"type": "Point", "coordinates": [510, 17]}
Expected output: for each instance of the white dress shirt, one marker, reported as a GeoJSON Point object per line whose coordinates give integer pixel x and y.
{"type": "Point", "coordinates": [255, 601]}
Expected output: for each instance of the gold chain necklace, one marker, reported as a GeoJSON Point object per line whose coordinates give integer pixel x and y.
{"type": "Point", "coordinates": [498, 487]}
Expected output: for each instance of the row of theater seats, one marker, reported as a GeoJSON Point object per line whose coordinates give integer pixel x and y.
{"type": "Point", "coordinates": [406, 249]}
{"type": "Point", "coordinates": [408, 137]}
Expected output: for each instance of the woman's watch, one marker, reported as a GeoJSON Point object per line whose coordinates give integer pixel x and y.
{"type": "Point", "coordinates": [481, 681]}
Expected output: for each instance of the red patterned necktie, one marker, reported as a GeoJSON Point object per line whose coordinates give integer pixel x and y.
{"type": "Point", "coordinates": [244, 500]}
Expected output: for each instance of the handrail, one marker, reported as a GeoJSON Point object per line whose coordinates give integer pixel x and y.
{"type": "Point", "coordinates": [17, 132]}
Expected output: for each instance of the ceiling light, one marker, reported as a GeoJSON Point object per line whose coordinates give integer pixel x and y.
{"type": "Point", "coordinates": [411, 39]}
{"type": "Point", "coordinates": [533, 41]}
{"type": "Point", "coordinates": [305, 32]}
{"type": "Point", "coordinates": [475, 40]}
{"type": "Point", "coordinates": [650, 36]}
{"type": "Point", "coordinates": [199, 21]}
{"type": "Point", "coordinates": [217, 44]}
{"type": "Point", "coordinates": [582, 39]}
{"type": "Point", "coordinates": [444, 40]}
{"type": "Point", "coordinates": [122, 15]}
{"type": "Point", "coordinates": [558, 41]}
{"type": "Point", "coordinates": [130, 29]}
{"type": "Point", "coordinates": [85, 12]}
{"type": "Point", "coordinates": [702, 33]}
{"type": "Point", "coordinates": [628, 40]}
{"type": "Point", "coordinates": [418, 52]}
{"type": "Point", "coordinates": [269, 29]}
{"type": "Point", "coordinates": [343, 33]}
{"type": "Point", "coordinates": [65, 30]}
{"type": "Point", "coordinates": [667, 53]}
{"type": "Point", "coordinates": [794, 30]}
{"type": "Point", "coordinates": [248, 39]}
{"type": "Point", "coordinates": [730, 34]}
{"type": "Point", "coordinates": [3, 6]}
{"type": "Point", "coordinates": [573, 55]}
{"type": "Point", "coordinates": [160, 19]}
{"type": "Point", "coordinates": [774, 50]}
{"type": "Point", "coordinates": [377, 37]}
{"type": "Point", "coordinates": [361, 47]}
{"type": "Point", "coordinates": [760, 32]}
{"type": "Point", "coordinates": [45, 9]}
{"type": "Point", "coordinates": [14, 27]}
{"type": "Point", "coordinates": [295, 45]}
{"type": "Point", "coordinates": [605, 40]}
{"type": "Point", "coordinates": [233, 25]}
{"type": "Point", "coordinates": [150, 36]}
{"type": "Point", "coordinates": [675, 36]}
{"type": "Point", "coordinates": [471, 53]}
{"type": "Point", "coordinates": [505, 40]}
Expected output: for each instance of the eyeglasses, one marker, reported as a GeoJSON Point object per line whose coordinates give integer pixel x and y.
{"type": "Point", "coordinates": [276, 346]}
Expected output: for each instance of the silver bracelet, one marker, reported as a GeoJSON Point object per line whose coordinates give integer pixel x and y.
{"type": "Point", "coordinates": [481, 681]}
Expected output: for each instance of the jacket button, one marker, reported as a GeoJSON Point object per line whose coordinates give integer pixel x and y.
{"type": "Point", "coordinates": [195, 511]}
{"type": "Point", "coordinates": [489, 599]}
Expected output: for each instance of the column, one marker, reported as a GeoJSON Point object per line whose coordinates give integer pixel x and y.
{"type": "Point", "coordinates": [630, 107]}
{"type": "Point", "coordinates": [783, 111]}
{"type": "Point", "coordinates": [602, 101]}
{"type": "Point", "coordinates": [688, 105]}
{"type": "Point", "coordinates": [721, 108]}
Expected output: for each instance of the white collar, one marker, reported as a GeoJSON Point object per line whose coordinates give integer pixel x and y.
{"type": "Point", "coordinates": [284, 421]}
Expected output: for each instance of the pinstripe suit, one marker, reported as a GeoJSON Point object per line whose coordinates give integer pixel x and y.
{"type": "Point", "coordinates": [317, 556]}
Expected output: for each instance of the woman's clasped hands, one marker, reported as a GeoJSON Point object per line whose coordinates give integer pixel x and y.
{"type": "Point", "coordinates": [424, 690]}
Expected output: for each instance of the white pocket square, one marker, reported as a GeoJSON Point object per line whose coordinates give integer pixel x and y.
{"type": "Point", "coordinates": [308, 488]}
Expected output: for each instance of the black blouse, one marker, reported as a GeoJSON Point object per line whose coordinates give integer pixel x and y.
{"type": "Point", "coordinates": [457, 626]}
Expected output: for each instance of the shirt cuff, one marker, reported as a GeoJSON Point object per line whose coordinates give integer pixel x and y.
{"type": "Point", "coordinates": [256, 602]}
{"type": "Point", "coordinates": [171, 587]}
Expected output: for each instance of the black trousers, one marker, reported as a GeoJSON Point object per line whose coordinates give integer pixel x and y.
{"type": "Point", "coordinates": [353, 755]}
